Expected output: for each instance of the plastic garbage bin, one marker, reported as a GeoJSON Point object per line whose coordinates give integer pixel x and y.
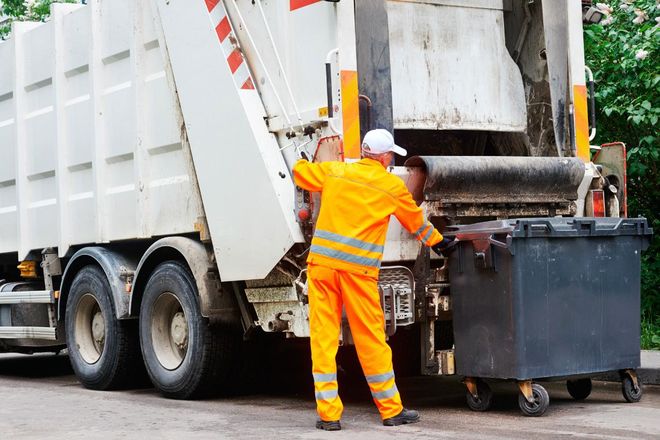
{"type": "Point", "coordinates": [547, 298]}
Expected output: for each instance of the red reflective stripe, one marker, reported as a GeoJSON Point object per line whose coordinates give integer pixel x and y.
{"type": "Point", "coordinates": [248, 84]}
{"type": "Point", "coordinates": [210, 4]}
{"type": "Point", "coordinates": [598, 197]}
{"type": "Point", "coordinates": [235, 60]}
{"type": "Point", "coordinates": [223, 29]}
{"type": "Point", "coordinates": [297, 4]}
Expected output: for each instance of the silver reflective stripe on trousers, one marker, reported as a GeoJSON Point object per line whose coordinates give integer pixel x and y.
{"type": "Point", "coordinates": [391, 392]}
{"type": "Point", "coordinates": [376, 378]}
{"type": "Point", "coordinates": [344, 256]}
{"type": "Point", "coordinates": [323, 377]}
{"type": "Point", "coordinates": [326, 395]}
{"type": "Point", "coordinates": [337, 238]}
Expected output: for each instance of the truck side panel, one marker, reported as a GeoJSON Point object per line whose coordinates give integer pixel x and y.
{"type": "Point", "coordinates": [91, 132]}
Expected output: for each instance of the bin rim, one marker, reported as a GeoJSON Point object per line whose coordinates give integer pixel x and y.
{"type": "Point", "coordinates": [549, 227]}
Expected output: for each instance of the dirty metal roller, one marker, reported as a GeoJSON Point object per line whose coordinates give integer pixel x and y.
{"type": "Point", "coordinates": [472, 186]}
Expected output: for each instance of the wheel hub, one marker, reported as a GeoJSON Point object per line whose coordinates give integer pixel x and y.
{"type": "Point", "coordinates": [98, 328]}
{"type": "Point", "coordinates": [89, 328]}
{"type": "Point", "coordinates": [169, 331]}
{"type": "Point", "coordinates": [179, 330]}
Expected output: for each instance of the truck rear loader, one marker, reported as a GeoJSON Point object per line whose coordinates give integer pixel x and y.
{"type": "Point", "coordinates": [147, 209]}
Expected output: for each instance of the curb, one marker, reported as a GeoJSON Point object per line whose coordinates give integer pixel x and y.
{"type": "Point", "coordinates": [648, 376]}
{"type": "Point", "coordinates": [648, 373]}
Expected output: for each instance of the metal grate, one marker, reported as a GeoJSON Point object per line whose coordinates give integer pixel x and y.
{"type": "Point", "coordinates": [402, 281]}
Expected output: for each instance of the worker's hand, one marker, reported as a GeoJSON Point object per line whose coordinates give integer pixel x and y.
{"type": "Point", "coordinates": [445, 247]}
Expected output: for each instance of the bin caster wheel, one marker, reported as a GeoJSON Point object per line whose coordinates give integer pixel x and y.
{"type": "Point", "coordinates": [484, 398]}
{"type": "Point", "coordinates": [631, 389]}
{"type": "Point", "coordinates": [579, 389]}
{"type": "Point", "coordinates": [540, 403]}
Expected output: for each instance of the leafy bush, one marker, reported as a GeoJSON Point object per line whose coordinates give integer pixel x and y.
{"type": "Point", "coordinates": [623, 53]}
{"type": "Point", "coordinates": [26, 10]}
{"type": "Point", "coordinates": [650, 334]}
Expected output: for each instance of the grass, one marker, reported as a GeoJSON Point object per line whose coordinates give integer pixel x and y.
{"type": "Point", "coordinates": [650, 332]}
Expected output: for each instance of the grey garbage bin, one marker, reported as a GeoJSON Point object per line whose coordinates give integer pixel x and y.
{"type": "Point", "coordinates": [547, 298]}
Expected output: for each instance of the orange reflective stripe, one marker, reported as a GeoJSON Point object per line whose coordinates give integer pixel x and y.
{"type": "Point", "coordinates": [350, 108]}
{"type": "Point", "coordinates": [581, 118]}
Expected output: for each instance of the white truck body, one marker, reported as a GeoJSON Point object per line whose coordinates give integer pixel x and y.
{"type": "Point", "coordinates": [142, 134]}
{"type": "Point", "coordinates": [91, 133]}
{"type": "Point", "coordinates": [94, 147]}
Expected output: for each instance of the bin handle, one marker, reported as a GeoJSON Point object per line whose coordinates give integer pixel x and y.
{"type": "Point", "coordinates": [528, 225]}
{"type": "Point", "coordinates": [581, 225]}
{"type": "Point", "coordinates": [501, 244]}
{"type": "Point", "coordinates": [497, 243]}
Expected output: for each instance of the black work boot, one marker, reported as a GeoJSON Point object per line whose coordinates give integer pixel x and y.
{"type": "Point", "coordinates": [405, 417]}
{"type": "Point", "coordinates": [332, 425]}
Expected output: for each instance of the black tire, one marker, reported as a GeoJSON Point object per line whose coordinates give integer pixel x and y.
{"type": "Point", "coordinates": [628, 389]}
{"type": "Point", "coordinates": [113, 362]}
{"type": "Point", "coordinates": [579, 389]}
{"type": "Point", "coordinates": [540, 404]}
{"type": "Point", "coordinates": [194, 365]}
{"type": "Point", "coordinates": [484, 399]}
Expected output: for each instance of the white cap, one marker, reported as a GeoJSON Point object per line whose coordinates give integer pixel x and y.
{"type": "Point", "coordinates": [381, 141]}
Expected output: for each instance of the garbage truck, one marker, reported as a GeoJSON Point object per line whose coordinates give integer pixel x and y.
{"type": "Point", "coordinates": [148, 216]}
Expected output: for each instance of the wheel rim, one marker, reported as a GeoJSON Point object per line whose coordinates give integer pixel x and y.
{"type": "Point", "coordinates": [535, 405]}
{"type": "Point", "coordinates": [89, 329]}
{"type": "Point", "coordinates": [634, 393]}
{"type": "Point", "coordinates": [169, 331]}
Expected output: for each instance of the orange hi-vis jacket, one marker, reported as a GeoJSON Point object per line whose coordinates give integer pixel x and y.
{"type": "Point", "coordinates": [357, 201]}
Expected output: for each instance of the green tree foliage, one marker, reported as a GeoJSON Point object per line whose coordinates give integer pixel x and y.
{"type": "Point", "coordinates": [623, 53]}
{"type": "Point", "coordinates": [25, 10]}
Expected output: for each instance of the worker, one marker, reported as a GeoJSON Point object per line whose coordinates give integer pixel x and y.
{"type": "Point", "coordinates": [357, 201]}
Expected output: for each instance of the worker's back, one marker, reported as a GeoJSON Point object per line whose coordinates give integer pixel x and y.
{"type": "Point", "coordinates": [356, 204]}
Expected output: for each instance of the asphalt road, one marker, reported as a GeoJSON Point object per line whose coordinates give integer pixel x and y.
{"type": "Point", "coordinates": [40, 398]}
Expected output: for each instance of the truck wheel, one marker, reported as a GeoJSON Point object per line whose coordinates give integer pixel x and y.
{"type": "Point", "coordinates": [540, 404]}
{"type": "Point", "coordinates": [103, 351]}
{"type": "Point", "coordinates": [579, 389]}
{"type": "Point", "coordinates": [186, 358]}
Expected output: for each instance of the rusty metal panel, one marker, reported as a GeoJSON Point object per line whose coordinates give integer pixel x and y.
{"type": "Point", "coordinates": [373, 57]}
{"type": "Point", "coordinates": [451, 69]}
{"type": "Point", "coordinates": [556, 41]}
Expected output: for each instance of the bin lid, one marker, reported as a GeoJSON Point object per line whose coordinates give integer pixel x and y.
{"type": "Point", "coordinates": [552, 227]}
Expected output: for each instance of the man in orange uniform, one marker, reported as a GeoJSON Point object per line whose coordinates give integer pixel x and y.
{"type": "Point", "coordinates": [356, 204]}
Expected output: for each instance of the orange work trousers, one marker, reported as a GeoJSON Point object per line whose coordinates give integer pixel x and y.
{"type": "Point", "coordinates": [328, 290]}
